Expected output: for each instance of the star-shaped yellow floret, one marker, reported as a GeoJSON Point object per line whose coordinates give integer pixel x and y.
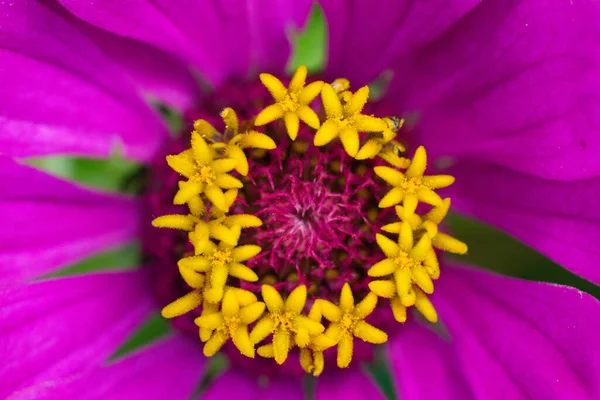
{"type": "Point", "coordinates": [231, 322]}
{"type": "Point", "coordinates": [238, 141]}
{"type": "Point", "coordinates": [415, 297]}
{"type": "Point", "coordinates": [311, 356]}
{"type": "Point", "coordinates": [201, 231]}
{"type": "Point", "coordinates": [429, 223]}
{"type": "Point", "coordinates": [348, 321]}
{"type": "Point", "coordinates": [205, 174]}
{"type": "Point", "coordinates": [286, 322]}
{"type": "Point", "coordinates": [384, 145]}
{"type": "Point", "coordinates": [220, 262]}
{"type": "Point", "coordinates": [244, 298]}
{"type": "Point", "coordinates": [412, 186]}
{"type": "Point", "coordinates": [409, 263]}
{"type": "Point", "coordinates": [291, 103]}
{"type": "Point", "coordinates": [226, 229]}
{"type": "Point", "coordinates": [346, 121]}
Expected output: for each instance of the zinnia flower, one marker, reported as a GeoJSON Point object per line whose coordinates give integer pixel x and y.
{"type": "Point", "coordinates": [307, 215]}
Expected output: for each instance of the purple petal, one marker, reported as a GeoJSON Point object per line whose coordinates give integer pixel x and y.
{"type": "Point", "coordinates": [516, 82]}
{"type": "Point", "coordinates": [521, 340]}
{"type": "Point", "coordinates": [348, 384]}
{"type": "Point", "coordinates": [61, 94]}
{"type": "Point", "coordinates": [53, 329]}
{"type": "Point", "coordinates": [426, 366]}
{"type": "Point", "coordinates": [237, 385]}
{"type": "Point", "coordinates": [48, 223]}
{"type": "Point", "coordinates": [222, 40]}
{"type": "Point", "coordinates": [170, 369]}
{"type": "Point", "coordinates": [156, 72]}
{"type": "Point", "coordinates": [365, 40]}
{"type": "Point", "coordinates": [559, 219]}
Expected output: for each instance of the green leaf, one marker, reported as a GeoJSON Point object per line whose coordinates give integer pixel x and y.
{"type": "Point", "coordinates": [379, 371]}
{"type": "Point", "coordinates": [120, 258]}
{"type": "Point", "coordinates": [310, 45]}
{"type": "Point", "coordinates": [495, 250]}
{"type": "Point", "coordinates": [108, 174]}
{"type": "Point", "coordinates": [152, 329]}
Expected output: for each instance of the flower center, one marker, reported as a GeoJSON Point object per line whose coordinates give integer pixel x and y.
{"type": "Point", "coordinates": [204, 175]}
{"type": "Point", "coordinates": [404, 261]}
{"type": "Point", "coordinates": [220, 258]}
{"type": "Point", "coordinates": [290, 103]}
{"type": "Point", "coordinates": [288, 245]}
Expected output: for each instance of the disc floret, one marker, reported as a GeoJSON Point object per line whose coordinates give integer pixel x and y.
{"type": "Point", "coordinates": [348, 321]}
{"type": "Point", "coordinates": [292, 103]}
{"type": "Point", "coordinates": [296, 308]}
{"type": "Point", "coordinates": [286, 322]}
{"type": "Point", "coordinates": [231, 322]}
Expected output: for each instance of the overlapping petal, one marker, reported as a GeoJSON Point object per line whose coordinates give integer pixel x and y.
{"type": "Point", "coordinates": [519, 339]}
{"type": "Point", "coordinates": [238, 385]}
{"type": "Point", "coordinates": [158, 74]}
{"type": "Point", "coordinates": [55, 329]}
{"type": "Point", "coordinates": [221, 39]}
{"type": "Point", "coordinates": [48, 223]}
{"type": "Point", "coordinates": [425, 366]}
{"type": "Point", "coordinates": [368, 38]}
{"type": "Point", "coordinates": [62, 94]}
{"type": "Point", "coordinates": [169, 369]}
{"type": "Point", "coordinates": [349, 384]}
{"type": "Point", "coordinates": [514, 81]}
{"type": "Point", "coordinates": [559, 219]}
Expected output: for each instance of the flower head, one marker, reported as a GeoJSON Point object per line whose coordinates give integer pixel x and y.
{"type": "Point", "coordinates": [300, 206]}
{"type": "Point", "coordinates": [302, 222]}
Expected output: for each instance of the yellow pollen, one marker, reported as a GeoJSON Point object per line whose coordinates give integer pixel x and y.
{"type": "Point", "coordinates": [213, 173]}
{"type": "Point", "coordinates": [221, 257]}
{"type": "Point", "coordinates": [290, 103]}
{"type": "Point", "coordinates": [404, 261]}
{"type": "Point", "coordinates": [284, 320]}
{"type": "Point", "coordinates": [347, 323]}
{"type": "Point", "coordinates": [411, 185]}
{"type": "Point", "coordinates": [230, 325]}
{"type": "Point", "coordinates": [204, 175]}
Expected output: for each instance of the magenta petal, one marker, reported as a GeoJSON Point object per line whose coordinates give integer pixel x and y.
{"type": "Point", "coordinates": [425, 366]}
{"type": "Point", "coordinates": [170, 369]}
{"type": "Point", "coordinates": [221, 39]}
{"type": "Point", "coordinates": [48, 223]}
{"type": "Point", "coordinates": [516, 82]}
{"type": "Point", "coordinates": [53, 329]}
{"type": "Point", "coordinates": [232, 385]}
{"type": "Point", "coordinates": [61, 94]}
{"type": "Point", "coordinates": [349, 384]}
{"type": "Point", "coordinates": [559, 219]}
{"type": "Point", "coordinates": [157, 73]}
{"type": "Point", "coordinates": [521, 340]}
{"type": "Point", "coordinates": [366, 39]}
{"type": "Point", "coordinates": [237, 385]}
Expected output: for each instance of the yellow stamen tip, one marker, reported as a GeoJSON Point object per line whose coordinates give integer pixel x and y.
{"type": "Point", "coordinates": [182, 305]}
{"type": "Point", "coordinates": [182, 222]}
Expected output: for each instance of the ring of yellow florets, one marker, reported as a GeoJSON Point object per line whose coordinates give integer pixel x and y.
{"type": "Point", "coordinates": [404, 276]}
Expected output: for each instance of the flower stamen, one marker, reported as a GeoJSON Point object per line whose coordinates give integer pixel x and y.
{"type": "Point", "coordinates": [281, 222]}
